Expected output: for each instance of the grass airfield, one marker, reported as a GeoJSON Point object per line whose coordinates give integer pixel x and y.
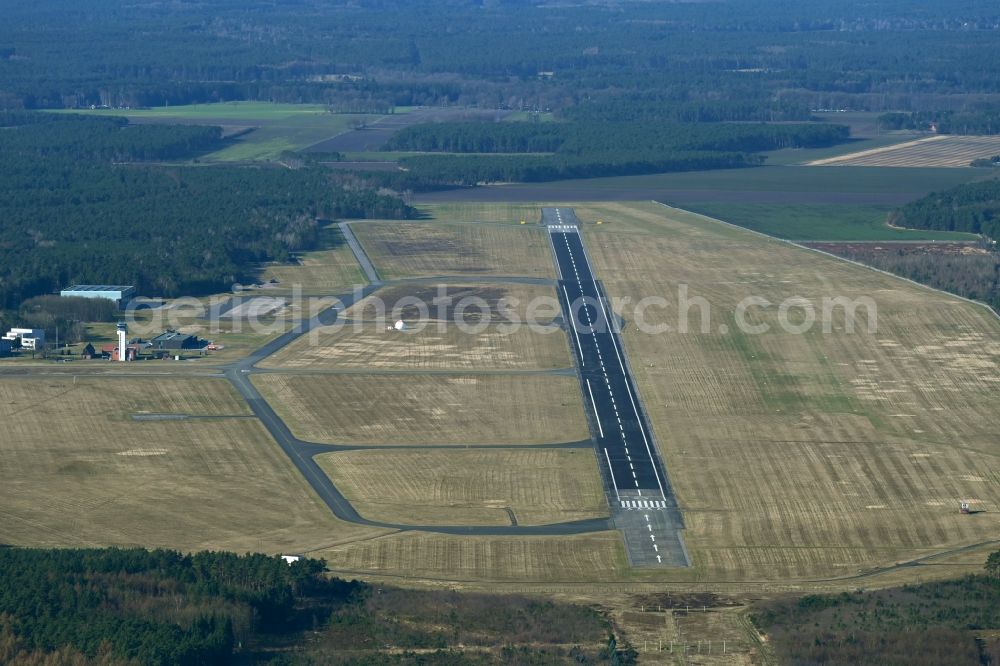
{"type": "Point", "coordinates": [171, 462]}
{"type": "Point", "coordinates": [812, 462]}
{"type": "Point", "coordinates": [796, 458]}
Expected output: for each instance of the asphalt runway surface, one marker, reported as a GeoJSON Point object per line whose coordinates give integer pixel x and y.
{"type": "Point", "coordinates": [624, 442]}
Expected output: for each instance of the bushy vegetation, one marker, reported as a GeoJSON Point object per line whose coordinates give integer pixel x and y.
{"type": "Point", "coordinates": [948, 622]}
{"type": "Point", "coordinates": [974, 274]}
{"type": "Point", "coordinates": [414, 620]}
{"type": "Point", "coordinates": [63, 318]}
{"type": "Point", "coordinates": [161, 607]}
{"type": "Point", "coordinates": [588, 150]}
{"type": "Point", "coordinates": [69, 215]}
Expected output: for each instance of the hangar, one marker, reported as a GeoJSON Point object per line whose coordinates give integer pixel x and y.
{"type": "Point", "coordinates": [121, 294]}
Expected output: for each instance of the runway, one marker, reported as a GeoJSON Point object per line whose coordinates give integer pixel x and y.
{"type": "Point", "coordinates": [638, 489]}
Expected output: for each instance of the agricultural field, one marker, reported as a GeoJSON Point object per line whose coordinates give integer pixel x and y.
{"type": "Point", "coordinates": [172, 462]}
{"type": "Point", "coordinates": [470, 486]}
{"type": "Point", "coordinates": [933, 151]}
{"type": "Point", "coordinates": [820, 222]}
{"type": "Point", "coordinates": [418, 249]}
{"type": "Point", "coordinates": [860, 186]}
{"type": "Point", "coordinates": [273, 128]}
{"type": "Point", "coordinates": [413, 408]}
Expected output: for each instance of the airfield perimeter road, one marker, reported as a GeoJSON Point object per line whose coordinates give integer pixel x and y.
{"type": "Point", "coordinates": [639, 493]}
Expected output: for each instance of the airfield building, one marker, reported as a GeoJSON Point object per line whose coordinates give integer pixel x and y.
{"type": "Point", "coordinates": [175, 340]}
{"type": "Point", "coordinates": [27, 338]}
{"type": "Point", "coordinates": [120, 294]}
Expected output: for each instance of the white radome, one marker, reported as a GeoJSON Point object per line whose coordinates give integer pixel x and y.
{"type": "Point", "coordinates": [400, 325]}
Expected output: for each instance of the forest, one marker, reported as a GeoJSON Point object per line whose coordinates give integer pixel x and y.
{"type": "Point", "coordinates": [585, 138]}
{"type": "Point", "coordinates": [945, 622]}
{"type": "Point", "coordinates": [77, 205]}
{"type": "Point", "coordinates": [121, 607]}
{"type": "Point", "coordinates": [973, 207]}
{"type": "Point", "coordinates": [594, 149]}
{"type": "Point", "coordinates": [673, 61]}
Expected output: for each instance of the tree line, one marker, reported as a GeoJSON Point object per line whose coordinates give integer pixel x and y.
{"type": "Point", "coordinates": [68, 215]}
{"type": "Point", "coordinates": [591, 149]}
{"type": "Point", "coordinates": [583, 138]}
{"type": "Point", "coordinates": [125, 607]}
{"type": "Point", "coordinates": [972, 207]}
{"type": "Point", "coordinates": [429, 171]}
{"type": "Point", "coordinates": [106, 139]}
{"type": "Point", "coordinates": [971, 121]}
{"type": "Point", "coordinates": [156, 607]}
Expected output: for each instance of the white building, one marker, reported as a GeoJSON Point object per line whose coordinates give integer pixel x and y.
{"type": "Point", "coordinates": [27, 338]}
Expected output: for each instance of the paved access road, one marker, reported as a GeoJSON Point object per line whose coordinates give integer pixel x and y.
{"type": "Point", "coordinates": [625, 447]}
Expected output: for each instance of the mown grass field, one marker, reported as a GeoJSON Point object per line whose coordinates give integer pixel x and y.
{"type": "Point", "coordinates": [276, 127]}
{"type": "Point", "coordinates": [470, 486]}
{"type": "Point", "coordinates": [418, 249]}
{"type": "Point", "coordinates": [795, 457]}
{"type": "Point", "coordinates": [461, 559]}
{"type": "Point", "coordinates": [332, 269]}
{"type": "Point", "coordinates": [510, 213]}
{"type": "Point", "coordinates": [819, 222]}
{"type": "Point", "coordinates": [370, 347]}
{"type": "Point", "coordinates": [392, 410]}
{"type": "Point", "coordinates": [453, 300]}
{"type": "Point", "coordinates": [77, 469]}
{"type": "Point", "coordinates": [815, 454]}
